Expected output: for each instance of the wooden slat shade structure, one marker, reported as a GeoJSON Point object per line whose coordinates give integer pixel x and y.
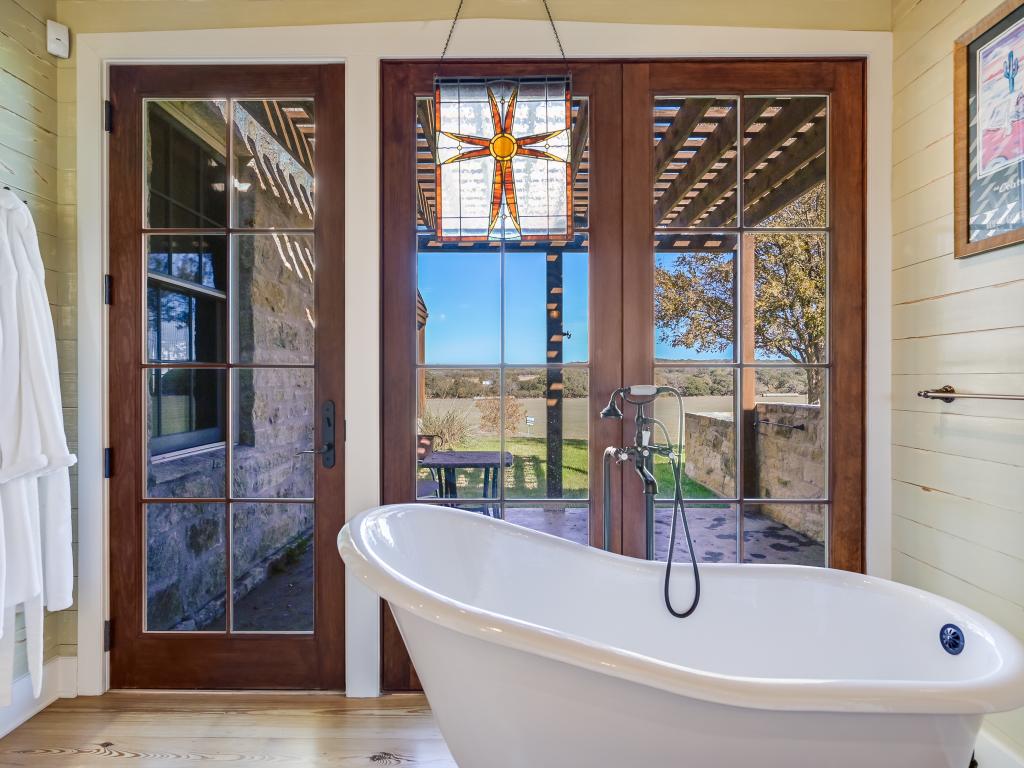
{"type": "Point", "coordinates": [695, 157]}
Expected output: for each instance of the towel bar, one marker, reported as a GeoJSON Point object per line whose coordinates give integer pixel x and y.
{"type": "Point", "coordinates": [948, 394]}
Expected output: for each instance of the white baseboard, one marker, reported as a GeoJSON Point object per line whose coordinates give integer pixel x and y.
{"type": "Point", "coordinates": [60, 681]}
{"type": "Point", "coordinates": [992, 751]}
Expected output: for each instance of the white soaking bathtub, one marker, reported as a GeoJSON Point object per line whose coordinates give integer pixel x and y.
{"type": "Point", "coordinates": [539, 653]}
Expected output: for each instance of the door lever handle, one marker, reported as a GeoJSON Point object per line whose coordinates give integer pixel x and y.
{"type": "Point", "coordinates": [318, 451]}
{"type": "Point", "coordinates": [327, 427]}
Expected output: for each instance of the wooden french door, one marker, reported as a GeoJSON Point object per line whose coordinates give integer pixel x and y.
{"type": "Point", "coordinates": [719, 221]}
{"type": "Point", "coordinates": [226, 376]}
{"type": "Point", "coordinates": [744, 278]}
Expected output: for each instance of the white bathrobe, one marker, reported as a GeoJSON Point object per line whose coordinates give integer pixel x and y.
{"type": "Point", "coordinates": [35, 497]}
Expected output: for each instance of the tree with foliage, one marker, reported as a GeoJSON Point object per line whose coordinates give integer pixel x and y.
{"type": "Point", "coordinates": [694, 305]}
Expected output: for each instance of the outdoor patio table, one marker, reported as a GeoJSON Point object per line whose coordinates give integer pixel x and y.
{"type": "Point", "coordinates": [446, 462]}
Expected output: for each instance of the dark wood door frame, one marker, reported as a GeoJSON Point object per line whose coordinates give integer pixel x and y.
{"type": "Point", "coordinates": [401, 83]}
{"type": "Point", "coordinates": [187, 660]}
{"type": "Point", "coordinates": [622, 350]}
{"type": "Point", "coordinates": [843, 80]}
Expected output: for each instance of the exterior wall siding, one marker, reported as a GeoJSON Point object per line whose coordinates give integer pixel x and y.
{"type": "Point", "coordinates": [958, 514]}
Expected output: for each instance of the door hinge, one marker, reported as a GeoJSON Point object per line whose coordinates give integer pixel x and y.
{"type": "Point", "coordinates": [108, 289]}
{"type": "Point", "coordinates": [344, 430]}
{"type": "Point", "coordinates": [108, 634]}
{"type": "Point", "coordinates": [108, 116]}
{"type": "Point", "coordinates": [108, 463]}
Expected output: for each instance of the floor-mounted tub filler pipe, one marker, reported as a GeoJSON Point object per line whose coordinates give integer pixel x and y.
{"type": "Point", "coordinates": [642, 453]}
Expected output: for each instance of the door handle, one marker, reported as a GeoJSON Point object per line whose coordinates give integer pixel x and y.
{"type": "Point", "coordinates": [326, 453]}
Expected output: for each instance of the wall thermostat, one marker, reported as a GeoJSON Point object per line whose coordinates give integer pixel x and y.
{"type": "Point", "coordinates": [58, 39]}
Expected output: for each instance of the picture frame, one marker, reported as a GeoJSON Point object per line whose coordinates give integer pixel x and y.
{"type": "Point", "coordinates": [988, 133]}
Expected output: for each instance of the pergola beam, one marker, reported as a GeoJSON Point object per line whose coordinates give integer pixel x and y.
{"type": "Point", "coordinates": [679, 130]}
{"type": "Point", "coordinates": [425, 116]}
{"type": "Point", "coordinates": [795, 186]}
{"type": "Point", "coordinates": [703, 161]}
{"type": "Point", "coordinates": [790, 118]}
{"type": "Point", "coordinates": [580, 132]}
{"type": "Point", "coordinates": [807, 146]}
{"type": "Point", "coordinates": [725, 178]}
{"type": "Point", "coordinates": [426, 209]}
{"type": "Point", "coordinates": [794, 114]}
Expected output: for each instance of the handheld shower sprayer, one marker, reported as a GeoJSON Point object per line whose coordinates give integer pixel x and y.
{"type": "Point", "coordinates": [642, 453]}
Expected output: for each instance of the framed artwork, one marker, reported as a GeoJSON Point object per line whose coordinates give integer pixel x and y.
{"type": "Point", "coordinates": [988, 105]}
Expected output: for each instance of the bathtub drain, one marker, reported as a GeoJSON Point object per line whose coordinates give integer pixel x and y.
{"type": "Point", "coordinates": [952, 639]}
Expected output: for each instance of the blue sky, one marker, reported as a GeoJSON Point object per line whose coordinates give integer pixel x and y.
{"type": "Point", "coordinates": [462, 294]}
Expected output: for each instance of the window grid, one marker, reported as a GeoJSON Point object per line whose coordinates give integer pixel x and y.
{"type": "Point", "coordinates": [229, 397]}
{"type": "Point", "coordinates": [744, 360]}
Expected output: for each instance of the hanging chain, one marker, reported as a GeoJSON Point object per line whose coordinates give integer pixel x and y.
{"type": "Point", "coordinates": [451, 29]}
{"type": "Point", "coordinates": [551, 21]}
{"type": "Point", "coordinates": [554, 31]}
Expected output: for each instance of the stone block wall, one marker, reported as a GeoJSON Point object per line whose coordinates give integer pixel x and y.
{"type": "Point", "coordinates": [791, 464]}
{"type": "Point", "coordinates": [711, 451]}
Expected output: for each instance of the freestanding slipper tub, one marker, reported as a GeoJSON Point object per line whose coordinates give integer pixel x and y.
{"type": "Point", "coordinates": [539, 653]}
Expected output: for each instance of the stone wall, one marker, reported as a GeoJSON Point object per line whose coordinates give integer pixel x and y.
{"type": "Point", "coordinates": [789, 462]}
{"type": "Point", "coordinates": [711, 451]}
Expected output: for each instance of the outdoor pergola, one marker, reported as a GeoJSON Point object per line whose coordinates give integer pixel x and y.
{"type": "Point", "coordinates": [695, 172]}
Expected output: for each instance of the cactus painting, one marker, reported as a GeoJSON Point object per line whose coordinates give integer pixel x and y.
{"type": "Point", "coordinates": [1000, 101]}
{"type": "Point", "coordinates": [1010, 68]}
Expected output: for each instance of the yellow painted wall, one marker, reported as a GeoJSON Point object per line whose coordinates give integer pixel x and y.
{"type": "Point", "coordinates": [30, 162]}
{"type": "Point", "coordinates": [958, 510]}
{"type": "Point", "coordinates": [138, 15]}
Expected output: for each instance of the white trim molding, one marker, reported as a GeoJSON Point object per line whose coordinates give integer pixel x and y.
{"type": "Point", "coordinates": [59, 682]}
{"type": "Point", "coordinates": [362, 47]}
{"type": "Point", "coordinates": [992, 751]}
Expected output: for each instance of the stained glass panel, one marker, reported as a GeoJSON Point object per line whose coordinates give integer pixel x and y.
{"type": "Point", "coordinates": [503, 159]}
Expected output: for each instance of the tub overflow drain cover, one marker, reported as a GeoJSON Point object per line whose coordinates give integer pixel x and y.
{"type": "Point", "coordinates": [952, 638]}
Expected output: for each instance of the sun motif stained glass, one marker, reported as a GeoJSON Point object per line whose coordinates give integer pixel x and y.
{"type": "Point", "coordinates": [503, 159]}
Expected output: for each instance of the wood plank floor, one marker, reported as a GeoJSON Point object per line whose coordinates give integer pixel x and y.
{"type": "Point", "coordinates": [164, 730]}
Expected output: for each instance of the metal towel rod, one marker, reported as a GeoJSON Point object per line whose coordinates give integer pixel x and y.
{"type": "Point", "coordinates": [948, 394]}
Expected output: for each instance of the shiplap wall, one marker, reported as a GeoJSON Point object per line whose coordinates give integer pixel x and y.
{"type": "Point", "coordinates": [958, 469]}
{"type": "Point", "coordinates": [31, 159]}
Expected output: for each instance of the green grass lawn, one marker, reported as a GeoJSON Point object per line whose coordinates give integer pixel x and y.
{"type": "Point", "coordinates": [527, 477]}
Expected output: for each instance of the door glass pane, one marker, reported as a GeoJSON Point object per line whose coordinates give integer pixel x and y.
{"type": "Point", "coordinates": [275, 298]}
{"type": "Point", "coordinates": [273, 420]}
{"type": "Point", "coordinates": [712, 528]}
{"type": "Point", "coordinates": [785, 163]}
{"type": "Point", "coordinates": [546, 312]}
{"type": "Point", "coordinates": [709, 431]}
{"type": "Point", "coordinates": [184, 152]}
{"type": "Point", "coordinates": [186, 298]}
{"type": "Point", "coordinates": [788, 442]}
{"type": "Point", "coordinates": [785, 533]}
{"type": "Point", "coordinates": [273, 163]}
{"type": "Point", "coordinates": [185, 424]}
{"type": "Point", "coordinates": [567, 521]}
{"type": "Point", "coordinates": [458, 433]}
{"type": "Point", "coordinates": [186, 567]}
{"type": "Point", "coordinates": [790, 296]}
{"type": "Point", "coordinates": [695, 168]}
{"type": "Point", "coordinates": [458, 304]}
{"type": "Point", "coordinates": [504, 433]}
{"type": "Point", "coordinates": [695, 297]}
{"type": "Point", "coordinates": [272, 567]}
{"type": "Point", "coordinates": [546, 432]}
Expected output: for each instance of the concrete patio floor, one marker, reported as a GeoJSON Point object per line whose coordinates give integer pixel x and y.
{"type": "Point", "coordinates": [713, 530]}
